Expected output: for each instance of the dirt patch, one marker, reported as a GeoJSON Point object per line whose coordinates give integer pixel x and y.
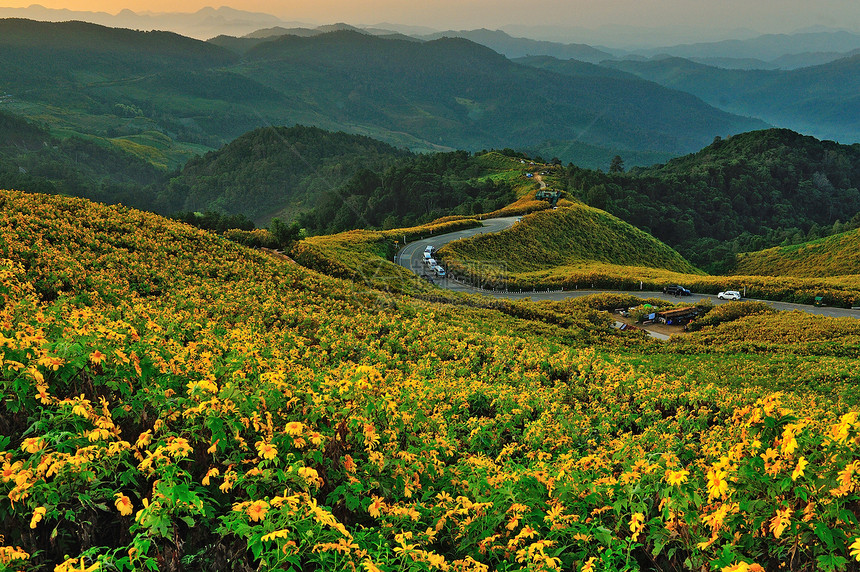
{"type": "Point", "coordinates": [655, 327]}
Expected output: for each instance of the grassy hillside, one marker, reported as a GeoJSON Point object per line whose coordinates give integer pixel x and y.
{"type": "Point", "coordinates": [836, 255]}
{"type": "Point", "coordinates": [569, 235]}
{"type": "Point", "coordinates": [173, 401]}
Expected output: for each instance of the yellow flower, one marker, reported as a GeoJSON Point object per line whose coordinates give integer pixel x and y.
{"type": "Point", "coordinates": [282, 533]}
{"type": "Point", "coordinates": [310, 475]}
{"type": "Point", "coordinates": [589, 565]}
{"type": "Point", "coordinates": [374, 507]}
{"type": "Point", "coordinates": [144, 440]}
{"type": "Point", "coordinates": [38, 515]}
{"type": "Point", "coordinates": [42, 394]}
{"type": "Point", "coordinates": [855, 549]}
{"type": "Point", "coordinates": [636, 525]}
{"type": "Point", "coordinates": [230, 477]}
{"type": "Point", "coordinates": [123, 504]}
{"type": "Point", "coordinates": [97, 357]}
{"type": "Point", "coordinates": [369, 566]}
{"type": "Point", "coordinates": [717, 485]}
{"type": "Point", "coordinates": [294, 428]}
{"type": "Point", "coordinates": [742, 567]}
{"type": "Point", "coordinates": [178, 447]}
{"type": "Point", "coordinates": [33, 444]}
{"type": "Point", "coordinates": [676, 477]}
{"type": "Point", "coordinates": [213, 472]}
{"type": "Point", "coordinates": [266, 450]}
{"type": "Point", "coordinates": [257, 510]}
{"type": "Point", "coordinates": [779, 522]}
{"type": "Point", "coordinates": [798, 470]}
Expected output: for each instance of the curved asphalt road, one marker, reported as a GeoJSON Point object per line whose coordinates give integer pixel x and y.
{"type": "Point", "coordinates": [412, 257]}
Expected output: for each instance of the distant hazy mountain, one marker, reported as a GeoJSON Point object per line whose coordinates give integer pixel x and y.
{"type": "Point", "coordinates": [766, 48]}
{"type": "Point", "coordinates": [627, 37]}
{"type": "Point", "coordinates": [786, 62]}
{"type": "Point", "coordinates": [205, 23]}
{"type": "Point", "coordinates": [574, 67]}
{"type": "Point", "coordinates": [823, 101]}
{"type": "Point", "coordinates": [457, 93]}
{"type": "Point", "coordinates": [518, 47]}
{"type": "Point", "coordinates": [268, 33]}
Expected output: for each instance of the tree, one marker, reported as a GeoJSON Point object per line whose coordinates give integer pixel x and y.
{"type": "Point", "coordinates": [284, 234]}
{"type": "Point", "coordinates": [617, 165]}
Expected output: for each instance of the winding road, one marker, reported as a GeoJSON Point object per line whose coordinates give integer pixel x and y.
{"type": "Point", "coordinates": [412, 257]}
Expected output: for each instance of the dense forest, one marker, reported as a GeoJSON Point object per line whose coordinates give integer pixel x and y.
{"type": "Point", "coordinates": [273, 171]}
{"type": "Point", "coordinates": [744, 193]}
{"type": "Point", "coordinates": [31, 159]}
{"type": "Point", "coordinates": [416, 191]}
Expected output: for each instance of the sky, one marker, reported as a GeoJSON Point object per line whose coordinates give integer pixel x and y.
{"type": "Point", "coordinates": [764, 16]}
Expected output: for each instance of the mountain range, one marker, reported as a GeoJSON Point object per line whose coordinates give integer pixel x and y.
{"type": "Point", "coordinates": [739, 48]}
{"type": "Point", "coordinates": [136, 87]}
{"type": "Point", "coordinates": [823, 101]}
{"type": "Point", "coordinates": [205, 23]}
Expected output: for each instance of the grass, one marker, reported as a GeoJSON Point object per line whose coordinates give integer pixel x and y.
{"type": "Point", "coordinates": [570, 236]}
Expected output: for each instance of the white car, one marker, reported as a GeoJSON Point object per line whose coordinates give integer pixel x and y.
{"type": "Point", "coordinates": [431, 262]}
{"type": "Point", "coordinates": [729, 295]}
{"type": "Point", "coordinates": [440, 272]}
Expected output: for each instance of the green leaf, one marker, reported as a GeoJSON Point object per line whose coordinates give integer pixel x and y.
{"type": "Point", "coordinates": [659, 544]}
{"type": "Point", "coordinates": [832, 562]}
{"type": "Point", "coordinates": [352, 503]}
{"type": "Point", "coordinates": [824, 534]}
{"type": "Point", "coordinates": [603, 535]}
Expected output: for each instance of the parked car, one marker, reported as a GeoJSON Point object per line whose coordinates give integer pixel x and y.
{"type": "Point", "coordinates": [440, 272]}
{"type": "Point", "coordinates": [729, 295]}
{"type": "Point", "coordinates": [427, 255]}
{"type": "Point", "coordinates": [429, 250]}
{"type": "Point", "coordinates": [676, 290]}
{"type": "Point", "coordinates": [430, 262]}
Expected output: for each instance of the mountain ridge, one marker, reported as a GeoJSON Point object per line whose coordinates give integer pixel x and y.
{"type": "Point", "coordinates": [439, 95]}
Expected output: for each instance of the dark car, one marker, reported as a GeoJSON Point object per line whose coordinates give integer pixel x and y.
{"type": "Point", "coordinates": [676, 290]}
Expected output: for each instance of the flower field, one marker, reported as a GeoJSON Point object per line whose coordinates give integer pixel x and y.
{"type": "Point", "coordinates": [836, 255]}
{"type": "Point", "coordinates": [174, 401]}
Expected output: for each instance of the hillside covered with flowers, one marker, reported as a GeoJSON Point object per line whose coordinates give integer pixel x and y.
{"type": "Point", "coordinates": [175, 401]}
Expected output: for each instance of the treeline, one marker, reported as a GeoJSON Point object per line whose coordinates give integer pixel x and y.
{"type": "Point", "coordinates": [419, 190]}
{"type": "Point", "coordinates": [745, 193]}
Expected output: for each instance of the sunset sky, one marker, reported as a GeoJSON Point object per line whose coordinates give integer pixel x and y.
{"type": "Point", "coordinates": [766, 16]}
